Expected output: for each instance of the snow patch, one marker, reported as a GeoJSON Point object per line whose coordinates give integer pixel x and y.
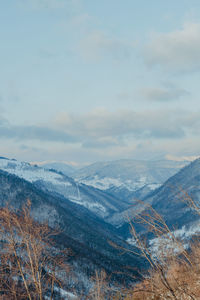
{"type": "Point", "coordinates": [102, 183]}
{"type": "Point", "coordinates": [131, 241]}
{"type": "Point", "coordinates": [66, 295]}
{"type": "Point", "coordinates": [183, 235]}
{"type": "Point", "coordinates": [105, 183]}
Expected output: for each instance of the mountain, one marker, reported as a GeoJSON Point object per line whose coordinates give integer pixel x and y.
{"type": "Point", "coordinates": [99, 202]}
{"type": "Point", "coordinates": [81, 231]}
{"type": "Point", "coordinates": [65, 168]}
{"type": "Point", "coordinates": [173, 201]}
{"type": "Point", "coordinates": [127, 179]}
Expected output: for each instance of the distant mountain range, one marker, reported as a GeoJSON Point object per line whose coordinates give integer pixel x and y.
{"type": "Point", "coordinates": [125, 178]}
{"type": "Point", "coordinates": [128, 180]}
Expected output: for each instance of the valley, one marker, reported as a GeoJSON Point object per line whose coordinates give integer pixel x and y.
{"type": "Point", "coordinates": [93, 216]}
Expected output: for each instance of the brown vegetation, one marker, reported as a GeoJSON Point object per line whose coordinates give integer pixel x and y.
{"type": "Point", "coordinates": [177, 280]}
{"type": "Point", "coordinates": [30, 265]}
{"type": "Point", "coordinates": [174, 271]}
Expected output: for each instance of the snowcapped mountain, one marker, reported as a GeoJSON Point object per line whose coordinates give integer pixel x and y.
{"type": "Point", "coordinates": [123, 178]}
{"type": "Point", "coordinates": [99, 202]}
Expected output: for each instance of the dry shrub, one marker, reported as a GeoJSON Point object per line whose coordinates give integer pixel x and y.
{"type": "Point", "coordinates": [174, 271]}
{"type": "Point", "coordinates": [180, 280]}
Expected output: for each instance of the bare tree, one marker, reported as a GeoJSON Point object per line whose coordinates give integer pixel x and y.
{"type": "Point", "coordinates": [100, 288]}
{"type": "Point", "coordinates": [174, 271]}
{"type": "Point", "coordinates": [30, 264]}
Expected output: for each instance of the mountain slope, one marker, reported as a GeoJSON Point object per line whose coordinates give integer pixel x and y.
{"type": "Point", "coordinates": [170, 199]}
{"type": "Point", "coordinates": [97, 201]}
{"type": "Point", "coordinates": [85, 234]}
{"type": "Point", "coordinates": [173, 202]}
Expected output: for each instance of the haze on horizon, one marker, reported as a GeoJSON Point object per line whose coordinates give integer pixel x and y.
{"type": "Point", "coordinates": [85, 81]}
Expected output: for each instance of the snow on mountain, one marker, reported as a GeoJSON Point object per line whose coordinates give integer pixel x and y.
{"type": "Point", "coordinates": [103, 183]}
{"type": "Point", "coordinates": [177, 201]}
{"type": "Point", "coordinates": [55, 182]}
{"type": "Point", "coordinates": [63, 167]}
{"type": "Point", "coordinates": [65, 295]}
{"type": "Point", "coordinates": [106, 183]}
{"type": "Point", "coordinates": [31, 173]}
{"type": "Point", "coordinates": [183, 235]}
{"type": "Point", "coordinates": [106, 189]}
{"type": "Point", "coordinates": [122, 178]}
{"type": "Point", "coordinates": [182, 240]}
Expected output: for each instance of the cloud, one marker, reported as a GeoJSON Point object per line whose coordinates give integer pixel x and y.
{"type": "Point", "coordinates": [101, 134]}
{"type": "Point", "coordinates": [97, 44]}
{"type": "Point", "coordinates": [163, 94]}
{"type": "Point", "coordinates": [122, 125]}
{"type": "Point", "coordinates": [178, 50]}
{"type": "Point", "coordinates": [39, 133]}
{"type": "Point", "coordinates": [102, 142]}
{"type": "Point", "coordinates": [181, 158]}
{"type": "Point", "coordinates": [44, 162]}
{"type": "Point", "coordinates": [104, 129]}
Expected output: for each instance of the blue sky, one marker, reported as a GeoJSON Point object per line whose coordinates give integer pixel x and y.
{"type": "Point", "coordinates": [84, 80]}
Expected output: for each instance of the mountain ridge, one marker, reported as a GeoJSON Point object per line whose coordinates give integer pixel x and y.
{"type": "Point", "coordinates": [101, 203]}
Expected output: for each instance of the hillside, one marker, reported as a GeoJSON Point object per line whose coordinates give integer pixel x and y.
{"type": "Point", "coordinates": [82, 231]}
{"type": "Point", "coordinates": [99, 202]}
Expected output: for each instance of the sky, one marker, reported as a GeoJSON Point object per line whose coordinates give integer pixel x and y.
{"type": "Point", "coordinates": [84, 81]}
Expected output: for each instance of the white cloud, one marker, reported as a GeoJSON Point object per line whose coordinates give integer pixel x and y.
{"type": "Point", "coordinates": [33, 132]}
{"type": "Point", "coordinates": [101, 134]}
{"type": "Point", "coordinates": [126, 124]}
{"type": "Point", "coordinates": [178, 50]}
